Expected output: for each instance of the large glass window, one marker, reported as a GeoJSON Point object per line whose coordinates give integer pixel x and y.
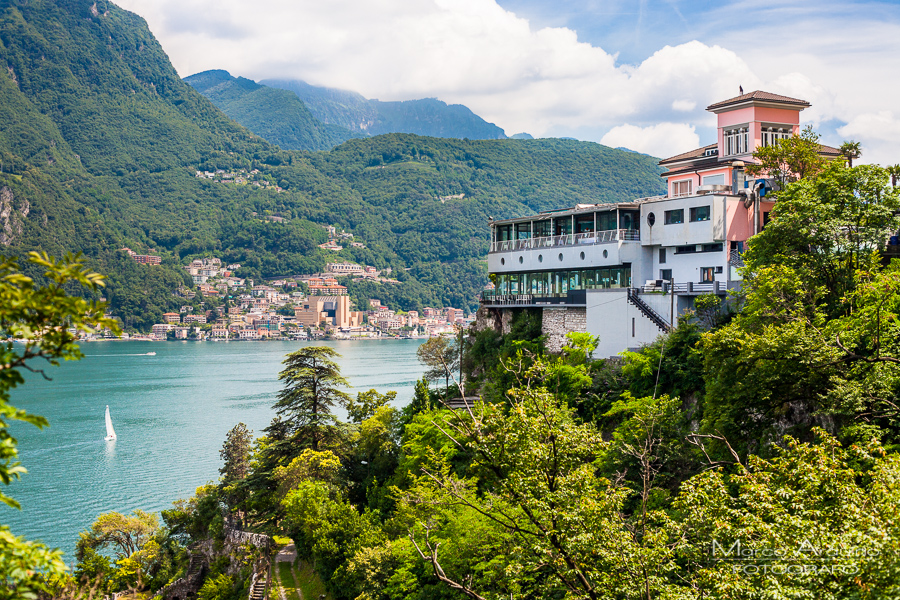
{"type": "Point", "coordinates": [707, 274]}
{"type": "Point", "coordinates": [629, 219]}
{"type": "Point", "coordinates": [563, 226]}
{"type": "Point", "coordinates": [700, 213]}
{"type": "Point", "coordinates": [542, 229]}
{"type": "Point", "coordinates": [584, 223]}
{"type": "Point", "coordinates": [674, 217]}
{"type": "Point", "coordinates": [523, 231]}
{"type": "Point", "coordinates": [606, 220]}
{"type": "Point", "coordinates": [542, 283]}
{"type": "Point", "coordinates": [504, 233]}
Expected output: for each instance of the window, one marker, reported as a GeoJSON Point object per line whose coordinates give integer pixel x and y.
{"type": "Point", "coordinates": [662, 256]}
{"type": "Point", "coordinates": [542, 228]}
{"type": "Point", "coordinates": [712, 247]}
{"type": "Point", "coordinates": [674, 217]}
{"type": "Point", "coordinates": [765, 219]}
{"type": "Point", "coordinates": [681, 188]}
{"type": "Point", "coordinates": [606, 220]}
{"type": "Point", "coordinates": [773, 135]}
{"type": "Point", "coordinates": [737, 141]}
{"type": "Point", "coordinates": [707, 274]}
{"type": "Point", "coordinates": [714, 179]}
{"type": "Point", "coordinates": [665, 274]}
{"type": "Point", "coordinates": [685, 249]}
{"type": "Point", "coordinates": [628, 219]}
{"type": "Point", "coordinates": [584, 223]}
{"type": "Point", "coordinates": [523, 231]}
{"type": "Point", "coordinates": [700, 213]}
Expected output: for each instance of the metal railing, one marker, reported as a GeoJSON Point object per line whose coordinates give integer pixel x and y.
{"type": "Point", "coordinates": [690, 287]}
{"type": "Point", "coordinates": [570, 239]}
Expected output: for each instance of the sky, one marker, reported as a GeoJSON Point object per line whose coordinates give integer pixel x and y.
{"type": "Point", "coordinates": [625, 73]}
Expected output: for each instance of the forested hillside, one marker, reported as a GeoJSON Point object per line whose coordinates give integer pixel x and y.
{"type": "Point", "coordinates": [100, 141]}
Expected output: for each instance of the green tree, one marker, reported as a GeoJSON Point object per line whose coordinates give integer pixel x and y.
{"type": "Point", "coordinates": [796, 157]}
{"type": "Point", "coordinates": [851, 150]}
{"type": "Point", "coordinates": [126, 534]}
{"type": "Point", "coordinates": [367, 404]}
{"type": "Point", "coordinates": [235, 453]}
{"type": "Point", "coordinates": [816, 520]}
{"type": "Point", "coordinates": [312, 382]}
{"type": "Point", "coordinates": [535, 485]}
{"type": "Point", "coordinates": [828, 228]}
{"type": "Point", "coordinates": [219, 587]}
{"type": "Point", "coordinates": [894, 172]}
{"type": "Point", "coordinates": [46, 320]}
{"type": "Point", "coordinates": [441, 356]}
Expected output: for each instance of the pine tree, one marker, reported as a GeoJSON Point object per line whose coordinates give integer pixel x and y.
{"type": "Point", "coordinates": [311, 390]}
{"type": "Point", "coordinates": [236, 454]}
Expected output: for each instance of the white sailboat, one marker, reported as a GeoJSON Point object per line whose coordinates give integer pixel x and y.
{"type": "Point", "coordinates": [110, 432]}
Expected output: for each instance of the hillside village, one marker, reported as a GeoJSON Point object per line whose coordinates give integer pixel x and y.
{"type": "Point", "coordinates": [299, 307]}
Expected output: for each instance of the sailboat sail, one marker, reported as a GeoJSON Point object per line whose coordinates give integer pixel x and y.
{"type": "Point", "coordinates": [110, 432]}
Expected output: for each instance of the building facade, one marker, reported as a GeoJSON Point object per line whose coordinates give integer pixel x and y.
{"type": "Point", "coordinates": [626, 271]}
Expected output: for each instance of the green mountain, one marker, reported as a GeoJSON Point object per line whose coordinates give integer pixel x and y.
{"type": "Point", "coordinates": [101, 141]}
{"type": "Point", "coordinates": [429, 116]}
{"type": "Point", "coordinates": [278, 116]}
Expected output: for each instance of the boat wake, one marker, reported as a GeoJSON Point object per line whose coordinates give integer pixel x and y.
{"type": "Point", "coordinates": [139, 354]}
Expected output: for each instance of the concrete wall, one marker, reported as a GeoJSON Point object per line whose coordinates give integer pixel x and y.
{"type": "Point", "coordinates": [578, 256]}
{"type": "Point", "coordinates": [619, 324]}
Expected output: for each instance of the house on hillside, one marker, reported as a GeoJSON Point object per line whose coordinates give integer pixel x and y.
{"type": "Point", "coordinates": [626, 271]}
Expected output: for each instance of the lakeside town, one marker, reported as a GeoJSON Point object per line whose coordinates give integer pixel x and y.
{"type": "Point", "coordinates": [301, 307]}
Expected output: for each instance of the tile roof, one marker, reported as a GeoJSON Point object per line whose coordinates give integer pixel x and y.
{"type": "Point", "coordinates": [698, 153]}
{"type": "Point", "coordinates": [828, 150]}
{"type": "Point", "coordinates": [709, 163]}
{"type": "Point", "coordinates": [758, 95]}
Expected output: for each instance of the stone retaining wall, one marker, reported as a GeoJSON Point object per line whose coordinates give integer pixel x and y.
{"type": "Point", "coordinates": [557, 322]}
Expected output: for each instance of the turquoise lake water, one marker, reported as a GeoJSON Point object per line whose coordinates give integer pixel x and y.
{"type": "Point", "coordinates": [170, 412]}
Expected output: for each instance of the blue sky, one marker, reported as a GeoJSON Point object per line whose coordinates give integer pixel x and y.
{"type": "Point", "coordinates": [625, 73]}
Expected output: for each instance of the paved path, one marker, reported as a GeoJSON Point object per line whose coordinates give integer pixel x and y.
{"type": "Point", "coordinates": [286, 554]}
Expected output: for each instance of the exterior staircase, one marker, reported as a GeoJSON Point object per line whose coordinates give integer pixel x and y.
{"type": "Point", "coordinates": [259, 586]}
{"type": "Point", "coordinates": [635, 299]}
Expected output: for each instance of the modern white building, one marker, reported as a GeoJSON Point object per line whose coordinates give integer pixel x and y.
{"type": "Point", "coordinates": [626, 271]}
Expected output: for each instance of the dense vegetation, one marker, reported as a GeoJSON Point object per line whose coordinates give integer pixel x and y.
{"type": "Point", "coordinates": [100, 141]}
{"type": "Point", "coordinates": [750, 453]}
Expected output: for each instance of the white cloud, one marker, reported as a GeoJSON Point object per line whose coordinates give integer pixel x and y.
{"type": "Point", "coordinates": [663, 140]}
{"type": "Point", "coordinates": [684, 105]}
{"type": "Point", "coordinates": [878, 134]}
{"type": "Point", "coordinates": [543, 81]}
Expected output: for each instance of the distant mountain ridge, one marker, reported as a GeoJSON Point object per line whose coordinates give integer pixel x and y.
{"type": "Point", "coordinates": [429, 116]}
{"type": "Point", "coordinates": [276, 115]}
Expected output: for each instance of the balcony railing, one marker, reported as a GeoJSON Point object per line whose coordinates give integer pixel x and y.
{"type": "Point", "coordinates": [572, 239]}
{"type": "Point", "coordinates": [571, 298]}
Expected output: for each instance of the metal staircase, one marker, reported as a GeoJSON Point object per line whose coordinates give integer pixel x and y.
{"type": "Point", "coordinates": [651, 314]}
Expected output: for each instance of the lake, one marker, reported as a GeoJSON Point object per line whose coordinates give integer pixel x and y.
{"type": "Point", "coordinates": [171, 412]}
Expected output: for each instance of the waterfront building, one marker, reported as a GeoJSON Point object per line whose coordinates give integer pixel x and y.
{"type": "Point", "coordinates": [627, 271]}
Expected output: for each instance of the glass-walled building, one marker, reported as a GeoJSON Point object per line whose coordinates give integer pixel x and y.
{"type": "Point", "coordinates": [556, 256]}
{"type": "Point", "coordinates": [551, 283]}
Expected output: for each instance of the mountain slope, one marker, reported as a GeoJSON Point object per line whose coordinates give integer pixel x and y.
{"type": "Point", "coordinates": [100, 141]}
{"type": "Point", "coordinates": [278, 116]}
{"type": "Point", "coordinates": [429, 116]}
